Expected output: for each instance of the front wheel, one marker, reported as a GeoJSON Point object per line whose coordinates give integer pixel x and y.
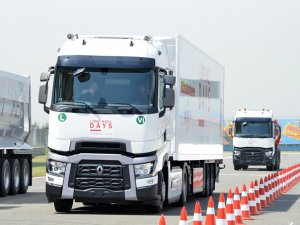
{"type": "Point", "coordinates": [157, 208]}
{"type": "Point", "coordinates": [63, 205]}
{"type": "Point", "coordinates": [236, 167]}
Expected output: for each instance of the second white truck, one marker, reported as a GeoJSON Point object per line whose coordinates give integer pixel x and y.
{"type": "Point", "coordinates": [256, 137]}
{"type": "Point", "coordinates": [132, 120]}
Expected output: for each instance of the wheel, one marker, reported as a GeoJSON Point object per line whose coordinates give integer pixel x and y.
{"type": "Point", "coordinates": [15, 176]}
{"type": "Point", "coordinates": [212, 179]}
{"type": "Point", "coordinates": [271, 167]}
{"type": "Point", "coordinates": [25, 175]}
{"type": "Point", "coordinates": [63, 205]}
{"type": "Point", "coordinates": [236, 167]}
{"type": "Point", "coordinates": [157, 208]}
{"type": "Point", "coordinates": [206, 181]}
{"type": "Point", "coordinates": [277, 162]}
{"type": "Point", "coordinates": [245, 167]}
{"type": "Point", "coordinates": [5, 178]}
{"type": "Point", "coordinates": [184, 194]}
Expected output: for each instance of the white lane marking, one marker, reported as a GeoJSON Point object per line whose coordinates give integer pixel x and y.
{"type": "Point", "coordinates": [233, 174]}
{"type": "Point", "coordinates": [292, 223]}
{"type": "Point", "coordinates": [38, 177]}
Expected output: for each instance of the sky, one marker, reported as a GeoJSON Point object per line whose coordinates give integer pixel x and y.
{"type": "Point", "coordinates": [257, 41]}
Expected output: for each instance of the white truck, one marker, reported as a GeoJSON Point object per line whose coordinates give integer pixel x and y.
{"type": "Point", "coordinates": [132, 119]}
{"type": "Point", "coordinates": [15, 167]}
{"type": "Point", "coordinates": [256, 137]}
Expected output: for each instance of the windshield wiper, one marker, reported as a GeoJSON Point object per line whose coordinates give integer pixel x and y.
{"type": "Point", "coordinates": [80, 104]}
{"type": "Point", "coordinates": [127, 107]}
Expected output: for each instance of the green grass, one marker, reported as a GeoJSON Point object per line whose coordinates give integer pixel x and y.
{"type": "Point", "coordinates": [39, 166]}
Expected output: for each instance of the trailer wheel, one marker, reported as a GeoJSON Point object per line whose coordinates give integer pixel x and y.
{"type": "Point", "coordinates": [5, 178]}
{"type": "Point", "coordinates": [212, 179]}
{"type": "Point", "coordinates": [15, 177]}
{"type": "Point", "coordinates": [25, 176]}
{"type": "Point", "coordinates": [63, 205]}
{"type": "Point", "coordinates": [206, 181]}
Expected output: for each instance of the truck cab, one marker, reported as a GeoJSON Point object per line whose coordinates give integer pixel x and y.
{"type": "Point", "coordinates": [255, 139]}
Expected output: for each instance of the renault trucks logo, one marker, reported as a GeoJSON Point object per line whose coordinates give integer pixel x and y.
{"type": "Point", "coordinates": [99, 170]}
{"type": "Point", "coordinates": [140, 120]}
{"type": "Point", "coordinates": [62, 117]}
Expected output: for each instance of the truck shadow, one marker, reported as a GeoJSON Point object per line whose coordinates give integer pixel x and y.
{"type": "Point", "coordinates": [28, 198]}
{"type": "Point", "coordinates": [282, 204]}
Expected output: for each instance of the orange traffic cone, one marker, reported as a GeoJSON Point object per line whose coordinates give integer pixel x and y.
{"type": "Point", "coordinates": [221, 215]}
{"type": "Point", "coordinates": [229, 209]}
{"type": "Point", "coordinates": [262, 194]}
{"type": "Point", "coordinates": [270, 189]}
{"type": "Point", "coordinates": [252, 201]}
{"type": "Point", "coordinates": [162, 220]}
{"type": "Point", "coordinates": [257, 198]}
{"type": "Point", "coordinates": [245, 205]}
{"type": "Point", "coordinates": [210, 213]}
{"type": "Point", "coordinates": [267, 193]}
{"type": "Point", "coordinates": [237, 207]}
{"type": "Point", "coordinates": [183, 217]}
{"type": "Point", "coordinates": [197, 214]}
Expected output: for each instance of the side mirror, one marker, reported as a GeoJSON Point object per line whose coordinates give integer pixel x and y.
{"type": "Point", "coordinates": [43, 94]}
{"type": "Point", "coordinates": [44, 76]}
{"type": "Point", "coordinates": [169, 99]}
{"type": "Point", "coordinates": [170, 80]}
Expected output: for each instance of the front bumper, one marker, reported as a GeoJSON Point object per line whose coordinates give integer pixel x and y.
{"type": "Point", "coordinates": [116, 185]}
{"type": "Point", "coordinates": [252, 156]}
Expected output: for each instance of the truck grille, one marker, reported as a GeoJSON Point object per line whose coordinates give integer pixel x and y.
{"type": "Point", "coordinates": [251, 155]}
{"type": "Point", "coordinates": [109, 175]}
{"type": "Point", "coordinates": [113, 184]}
{"type": "Point", "coordinates": [91, 170]}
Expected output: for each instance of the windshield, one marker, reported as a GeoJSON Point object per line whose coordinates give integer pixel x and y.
{"type": "Point", "coordinates": [253, 129]}
{"type": "Point", "coordinates": [101, 87]}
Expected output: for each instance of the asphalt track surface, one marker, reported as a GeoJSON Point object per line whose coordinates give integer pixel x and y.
{"type": "Point", "coordinates": [33, 208]}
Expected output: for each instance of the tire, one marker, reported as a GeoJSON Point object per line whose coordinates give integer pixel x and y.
{"type": "Point", "coordinates": [157, 208]}
{"type": "Point", "coordinates": [245, 167]}
{"type": "Point", "coordinates": [271, 167]}
{"type": "Point", "coordinates": [15, 176]}
{"type": "Point", "coordinates": [5, 177]}
{"type": "Point", "coordinates": [277, 162]}
{"type": "Point", "coordinates": [184, 194]}
{"type": "Point", "coordinates": [25, 176]}
{"type": "Point", "coordinates": [206, 181]}
{"type": "Point", "coordinates": [236, 167]}
{"type": "Point", "coordinates": [63, 205]}
{"type": "Point", "coordinates": [212, 179]}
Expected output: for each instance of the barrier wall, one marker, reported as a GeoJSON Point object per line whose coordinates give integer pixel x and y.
{"type": "Point", "coordinates": [290, 134]}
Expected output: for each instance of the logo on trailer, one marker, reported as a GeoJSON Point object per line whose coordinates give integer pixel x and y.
{"type": "Point", "coordinates": [62, 117]}
{"type": "Point", "coordinates": [140, 120]}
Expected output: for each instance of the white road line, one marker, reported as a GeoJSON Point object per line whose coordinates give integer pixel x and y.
{"type": "Point", "coordinates": [292, 223]}
{"type": "Point", "coordinates": [232, 174]}
{"type": "Point", "coordinates": [38, 177]}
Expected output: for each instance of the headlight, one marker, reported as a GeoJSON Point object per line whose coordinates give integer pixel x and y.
{"type": "Point", "coordinates": [143, 169]}
{"type": "Point", "coordinates": [56, 168]}
{"type": "Point", "coordinates": [269, 153]}
{"type": "Point", "coordinates": [237, 153]}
